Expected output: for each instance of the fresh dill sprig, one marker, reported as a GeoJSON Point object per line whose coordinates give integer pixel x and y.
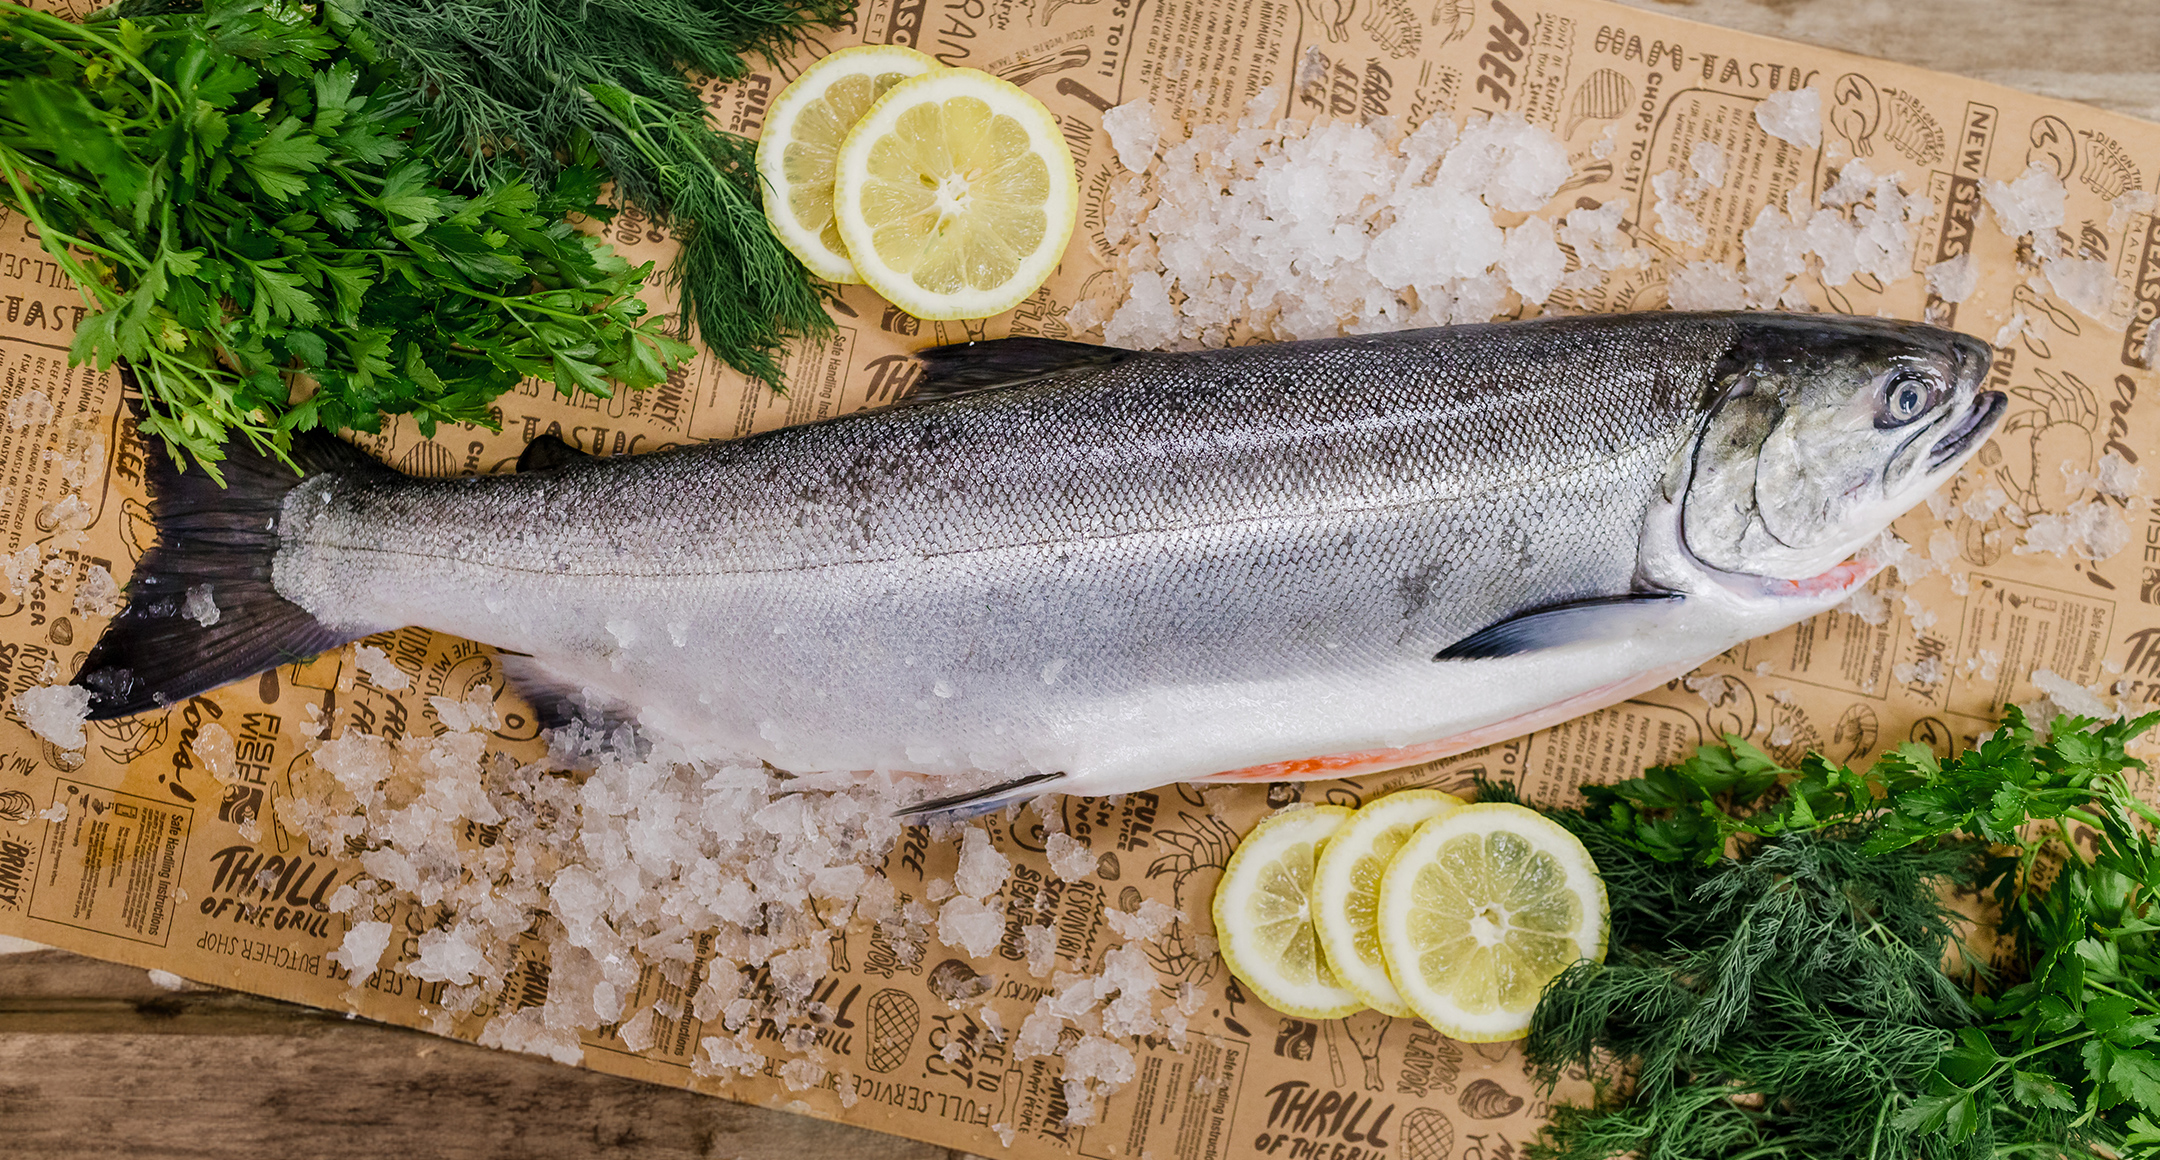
{"type": "Point", "coordinates": [513, 86]}
{"type": "Point", "coordinates": [1777, 986]}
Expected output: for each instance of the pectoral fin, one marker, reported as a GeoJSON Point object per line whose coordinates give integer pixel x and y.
{"type": "Point", "coordinates": [1593, 621]}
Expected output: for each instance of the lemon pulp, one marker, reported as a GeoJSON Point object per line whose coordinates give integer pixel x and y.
{"type": "Point", "coordinates": [1482, 908]}
{"type": "Point", "coordinates": [956, 195]}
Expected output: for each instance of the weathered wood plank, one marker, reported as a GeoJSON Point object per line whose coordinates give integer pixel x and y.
{"type": "Point", "coordinates": [96, 1061]}
{"type": "Point", "coordinates": [2102, 52]}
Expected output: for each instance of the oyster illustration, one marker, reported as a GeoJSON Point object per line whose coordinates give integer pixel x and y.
{"type": "Point", "coordinates": [1486, 1100]}
{"type": "Point", "coordinates": [16, 806]}
{"type": "Point", "coordinates": [954, 980]}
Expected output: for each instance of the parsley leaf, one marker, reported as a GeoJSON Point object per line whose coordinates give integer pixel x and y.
{"type": "Point", "coordinates": [227, 214]}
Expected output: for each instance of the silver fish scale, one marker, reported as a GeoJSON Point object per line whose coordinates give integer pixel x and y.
{"type": "Point", "coordinates": [1170, 520]}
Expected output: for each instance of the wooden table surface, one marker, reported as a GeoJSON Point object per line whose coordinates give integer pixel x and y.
{"type": "Point", "coordinates": [97, 1061]}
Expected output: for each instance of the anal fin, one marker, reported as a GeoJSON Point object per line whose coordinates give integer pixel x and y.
{"type": "Point", "coordinates": [1596, 620]}
{"type": "Point", "coordinates": [558, 701]}
{"type": "Point", "coordinates": [975, 803]}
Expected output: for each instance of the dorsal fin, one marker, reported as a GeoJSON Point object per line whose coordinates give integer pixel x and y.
{"type": "Point", "coordinates": [547, 451]}
{"type": "Point", "coordinates": [964, 368]}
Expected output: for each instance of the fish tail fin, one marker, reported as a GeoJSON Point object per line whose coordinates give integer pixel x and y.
{"type": "Point", "coordinates": [975, 803]}
{"type": "Point", "coordinates": [201, 607]}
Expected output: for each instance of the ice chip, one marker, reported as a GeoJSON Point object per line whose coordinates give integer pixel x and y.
{"type": "Point", "coordinates": [971, 926]}
{"type": "Point", "coordinates": [1953, 279]}
{"type": "Point", "coordinates": [30, 409]}
{"type": "Point", "coordinates": [362, 949]}
{"type": "Point", "coordinates": [56, 713]}
{"type": "Point", "coordinates": [1533, 260]}
{"type": "Point", "coordinates": [201, 607]}
{"type": "Point", "coordinates": [382, 672]}
{"type": "Point", "coordinates": [1707, 162]}
{"type": "Point", "coordinates": [214, 747]}
{"type": "Point", "coordinates": [2071, 697]}
{"type": "Point", "coordinates": [2087, 284]}
{"type": "Point", "coordinates": [1793, 117]}
{"type": "Point", "coordinates": [1039, 946]}
{"type": "Point", "coordinates": [447, 956]}
{"type": "Point", "coordinates": [2093, 530]}
{"type": "Point", "coordinates": [1706, 286]}
{"type": "Point", "coordinates": [1133, 132]}
{"type": "Point", "coordinates": [2118, 476]}
{"type": "Point", "coordinates": [1039, 1033]}
{"type": "Point", "coordinates": [1675, 219]}
{"type": "Point", "coordinates": [98, 594]}
{"type": "Point", "coordinates": [1141, 924]}
{"type": "Point", "coordinates": [527, 1031]}
{"type": "Point", "coordinates": [982, 869]}
{"type": "Point", "coordinates": [1069, 858]}
{"type": "Point", "coordinates": [2034, 203]}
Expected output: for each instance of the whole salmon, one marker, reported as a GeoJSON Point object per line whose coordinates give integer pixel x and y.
{"type": "Point", "coordinates": [1095, 570]}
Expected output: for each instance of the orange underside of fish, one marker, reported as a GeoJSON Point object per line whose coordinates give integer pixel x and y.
{"type": "Point", "coordinates": [1843, 577]}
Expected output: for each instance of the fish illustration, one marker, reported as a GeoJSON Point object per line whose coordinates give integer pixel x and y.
{"type": "Point", "coordinates": [1092, 570]}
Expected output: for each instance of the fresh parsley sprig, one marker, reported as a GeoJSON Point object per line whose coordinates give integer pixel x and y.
{"type": "Point", "coordinates": [239, 200]}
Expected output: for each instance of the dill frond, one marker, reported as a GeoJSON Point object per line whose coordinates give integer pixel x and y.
{"type": "Point", "coordinates": [511, 88]}
{"type": "Point", "coordinates": [1777, 983]}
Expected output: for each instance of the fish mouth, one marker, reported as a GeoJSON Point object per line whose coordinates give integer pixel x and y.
{"type": "Point", "coordinates": [1977, 425]}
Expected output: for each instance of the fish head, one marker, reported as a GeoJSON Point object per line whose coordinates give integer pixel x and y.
{"type": "Point", "coordinates": [1821, 430]}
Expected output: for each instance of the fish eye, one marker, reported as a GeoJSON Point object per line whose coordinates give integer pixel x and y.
{"type": "Point", "coordinates": [1905, 397]}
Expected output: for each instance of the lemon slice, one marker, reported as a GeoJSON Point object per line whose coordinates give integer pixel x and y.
{"type": "Point", "coordinates": [956, 195]}
{"type": "Point", "coordinates": [1263, 915]}
{"type": "Point", "coordinates": [1480, 909]}
{"type": "Point", "coordinates": [1346, 890]}
{"type": "Point", "coordinates": [798, 151]}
